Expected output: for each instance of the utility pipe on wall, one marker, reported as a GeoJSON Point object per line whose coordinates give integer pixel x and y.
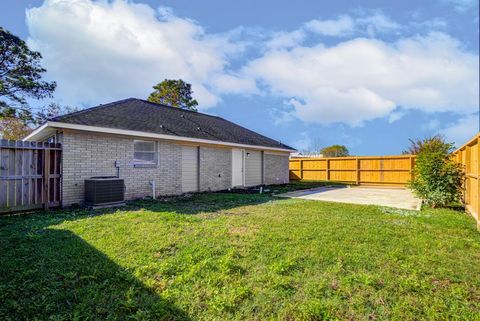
{"type": "Point", "coordinates": [153, 189]}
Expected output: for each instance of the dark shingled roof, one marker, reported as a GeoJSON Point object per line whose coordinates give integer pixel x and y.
{"type": "Point", "coordinates": [141, 115]}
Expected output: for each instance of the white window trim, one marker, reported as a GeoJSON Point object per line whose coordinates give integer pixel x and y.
{"type": "Point", "coordinates": [155, 154]}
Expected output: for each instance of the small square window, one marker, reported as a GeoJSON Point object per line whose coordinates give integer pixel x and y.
{"type": "Point", "coordinates": [144, 153]}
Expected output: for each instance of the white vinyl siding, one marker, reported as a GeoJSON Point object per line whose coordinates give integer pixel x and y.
{"type": "Point", "coordinates": [189, 169]}
{"type": "Point", "coordinates": [253, 168]}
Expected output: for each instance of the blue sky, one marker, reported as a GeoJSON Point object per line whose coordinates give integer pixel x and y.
{"type": "Point", "coordinates": [369, 74]}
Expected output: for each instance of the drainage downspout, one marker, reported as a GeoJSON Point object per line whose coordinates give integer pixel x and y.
{"type": "Point", "coordinates": [153, 189]}
{"type": "Point", "coordinates": [117, 166]}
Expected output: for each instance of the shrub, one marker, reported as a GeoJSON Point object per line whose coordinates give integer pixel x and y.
{"type": "Point", "coordinates": [437, 179]}
{"type": "Point", "coordinates": [433, 142]}
{"type": "Point", "coordinates": [335, 151]}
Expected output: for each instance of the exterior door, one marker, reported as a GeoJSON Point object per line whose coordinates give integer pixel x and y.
{"type": "Point", "coordinates": [253, 168]}
{"type": "Point", "coordinates": [237, 167]}
{"type": "Point", "coordinates": [189, 169]}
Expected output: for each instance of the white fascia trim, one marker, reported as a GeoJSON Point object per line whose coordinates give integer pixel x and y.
{"type": "Point", "coordinates": [107, 130]}
{"type": "Point", "coordinates": [36, 131]}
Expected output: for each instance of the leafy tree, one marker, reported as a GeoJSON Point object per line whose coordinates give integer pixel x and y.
{"type": "Point", "coordinates": [13, 128]}
{"type": "Point", "coordinates": [417, 146]}
{"type": "Point", "coordinates": [437, 179]}
{"type": "Point", "coordinates": [52, 110]}
{"type": "Point", "coordinates": [175, 93]}
{"type": "Point", "coordinates": [20, 77]}
{"type": "Point", "coordinates": [334, 151]}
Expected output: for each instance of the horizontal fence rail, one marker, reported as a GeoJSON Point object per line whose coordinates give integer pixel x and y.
{"type": "Point", "coordinates": [30, 175]}
{"type": "Point", "coordinates": [366, 170]}
{"type": "Point", "coordinates": [468, 155]}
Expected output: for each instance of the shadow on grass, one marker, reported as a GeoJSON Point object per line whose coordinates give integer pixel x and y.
{"type": "Point", "coordinates": [221, 201]}
{"type": "Point", "coordinates": [49, 273]}
{"type": "Point", "coordinates": [306, 184]}
{"type": "Point", "coordinates": [53, 274]}
{"type": "Point", "coordinates": [186, 204]}
{"type": "Point", "coordinates": [203, 203]}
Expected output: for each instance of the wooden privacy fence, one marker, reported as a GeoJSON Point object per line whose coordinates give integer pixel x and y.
{"type": "Point", "coordinates": [30, 175]}
{"type": "Point", "coordinates": [367, 170]}
{"type": "Point", "coordinates": [468, 155]}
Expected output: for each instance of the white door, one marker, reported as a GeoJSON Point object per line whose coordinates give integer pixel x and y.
{"type": "Point", "coordinates": [189, 169]}
{"type": "Point", "coordinates": [237, 167]}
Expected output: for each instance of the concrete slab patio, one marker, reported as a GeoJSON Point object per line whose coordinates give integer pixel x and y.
{"type": "Point", "coordinates": [392, 197]}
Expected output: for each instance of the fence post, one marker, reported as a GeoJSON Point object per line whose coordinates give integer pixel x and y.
{"type": "Point", "coordinates": [328, 169]}
{"type": "Point", "coordinates": [301, 169]}
{"type": "Point", "coordinates": [412, 166]}
{"type": "Point", "coordinates": [357, 164]}
{"type": "Point", "coordinates": [478, 181]}
{"type": "Point", "coordinates": [46, 177]}
{"type": "Point", "coordinates": [382, 173]}
{"type": "Point", "coordinates": [468, 170]}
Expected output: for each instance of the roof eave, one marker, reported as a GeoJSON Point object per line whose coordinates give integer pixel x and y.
{"type": "Point", "coordinates": [40, 133]}
{"type": "Point", "coordinates": [49, 127]}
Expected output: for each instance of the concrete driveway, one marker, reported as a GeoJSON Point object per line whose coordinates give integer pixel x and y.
{"type": "Point", "coordinates": [391, 197]}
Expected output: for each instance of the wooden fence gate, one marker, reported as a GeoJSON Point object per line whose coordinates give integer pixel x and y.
{"type": "Point", "coordinates": [30, 175]}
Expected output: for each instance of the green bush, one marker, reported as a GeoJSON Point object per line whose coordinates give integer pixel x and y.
{"type": "Point", "coordinates": [437, 179]}
{"type": "Point", "coordinates": [335, 151]}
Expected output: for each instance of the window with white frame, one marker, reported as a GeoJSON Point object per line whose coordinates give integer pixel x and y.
{"type": "Point", "coordinates": [144, 153]}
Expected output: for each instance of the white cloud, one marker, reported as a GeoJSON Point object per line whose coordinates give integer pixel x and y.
{"type": "Point", "coordinates": [233, 84]}
{"type": "Point", "coordinates": [396, 115]}
{"type": "Point", "coordinates": [286, 39]}
{"type": "Point", "coordinates": [429, 24]}
{"type": "Point", "coordinates": [431, 125]}
{"type": "Point", "coordinates": [343, 25]}
{"type": "Point", "coordinates": [462, 130]}
{"type": "Point", "coordinates": [100, 51]}
{"type": "Point", "coordinates": [283, 116]}
{"type": "Point", "coordinates": [462, 5]}
{"type": "Point", "coordinates": [377, 23]}
{"type": "Point", "coordinates": [304, 143]}
{"type": "Point", "coordinates": [362, 79]}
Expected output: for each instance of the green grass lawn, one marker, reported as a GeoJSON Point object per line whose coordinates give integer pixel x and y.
{"type": "Point", "coordinates": [240, 257]}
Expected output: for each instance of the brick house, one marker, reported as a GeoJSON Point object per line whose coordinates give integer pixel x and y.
{"type": "Point", "coordinates": [142, 142]}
